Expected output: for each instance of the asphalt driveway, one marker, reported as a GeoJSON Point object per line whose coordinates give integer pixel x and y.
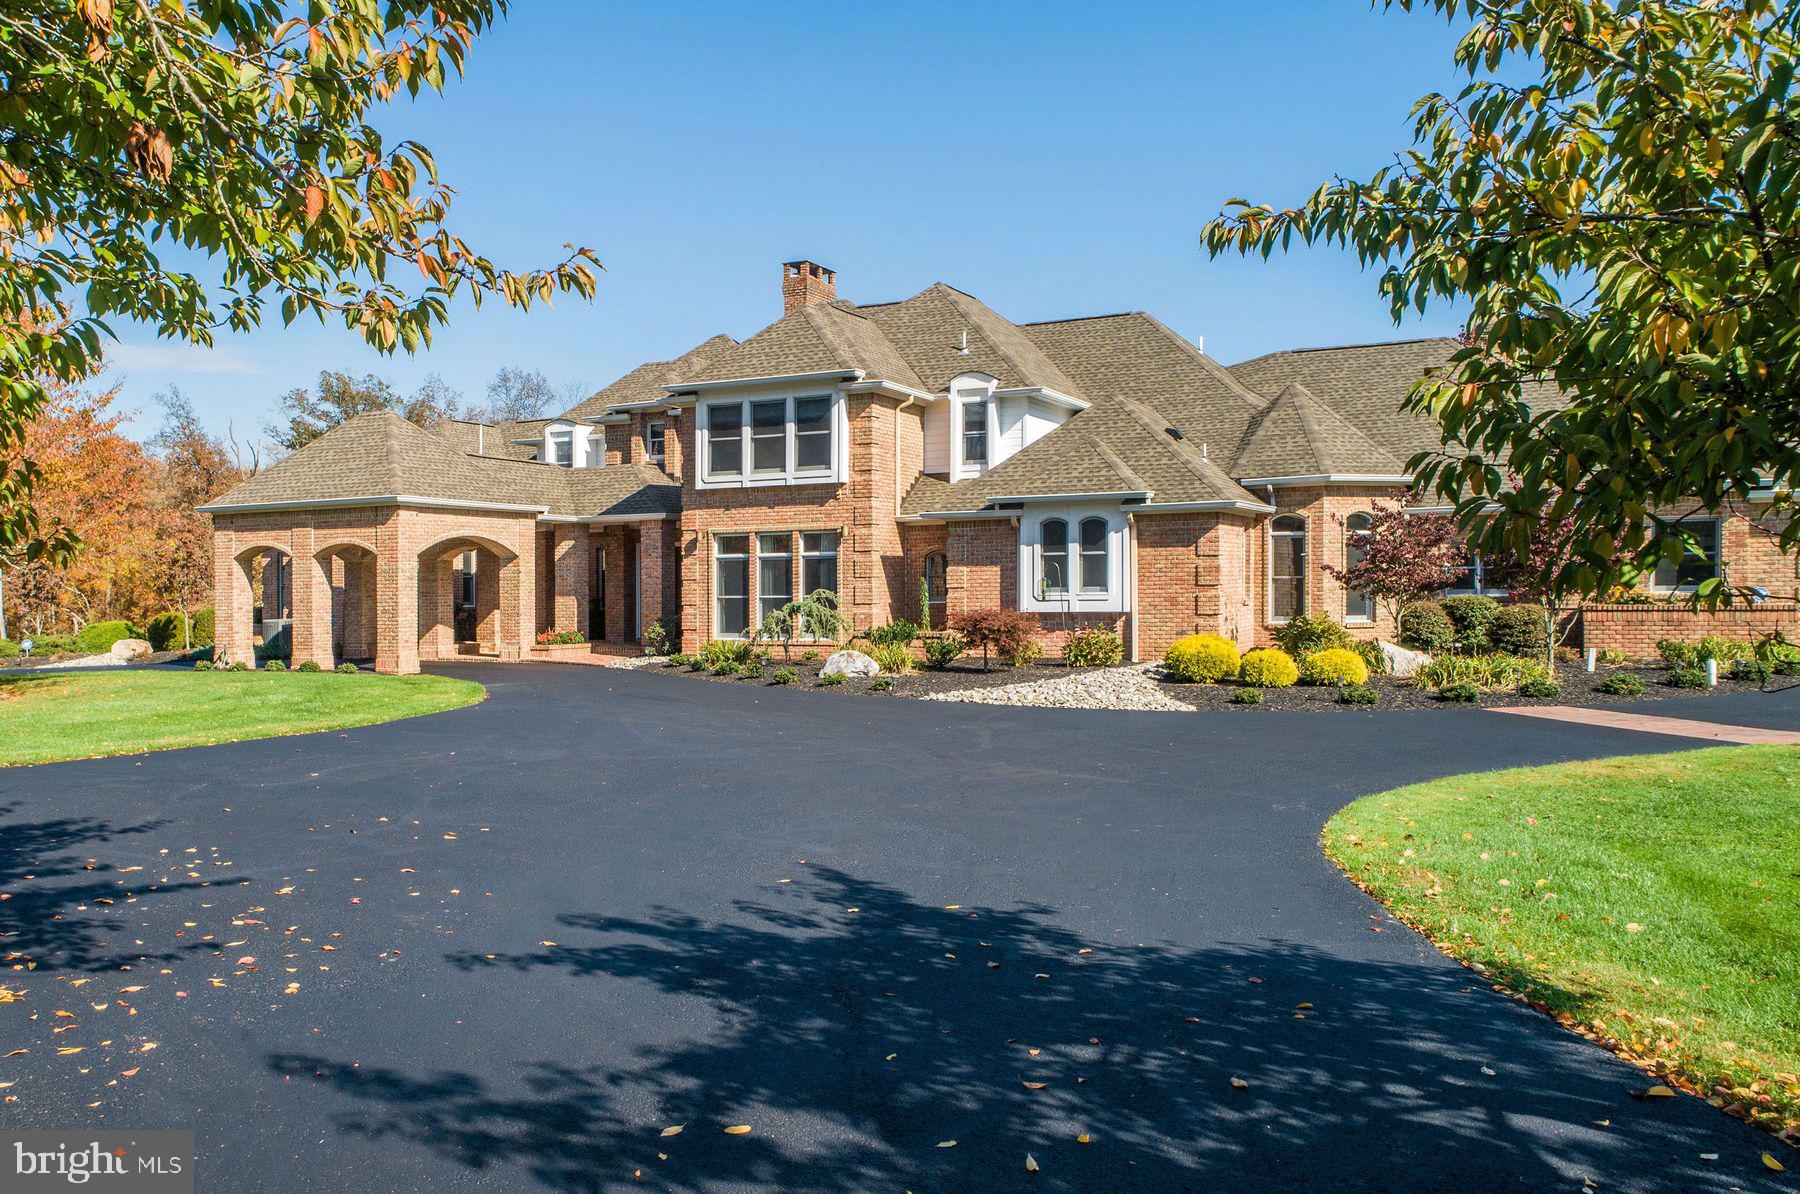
{"type": "Point", "coordinates": [509, 946]}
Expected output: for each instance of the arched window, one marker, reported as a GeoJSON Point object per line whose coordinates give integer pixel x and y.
{"type": "Point", "coordinates": [937, 586]}
{"type": "Point", "coordinates": [1359, 606]}
{"type": "Point", "coordinates": [1053, 557]}
{"type": "Point", "coordinates": [1093, 555]}
{"type": "Point", "coordinates": [1287, 567]}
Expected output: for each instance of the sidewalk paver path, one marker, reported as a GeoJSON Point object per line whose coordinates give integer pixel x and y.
{"type": "Point", "coordinates": [1682, 727]}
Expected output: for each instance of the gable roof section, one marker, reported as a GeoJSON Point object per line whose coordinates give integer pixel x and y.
{"type": "Point", "coordinates": [1296, 435]}
{"type": "Point", "coordinates": [928, 330]}
{"type": "Point", "coordinates": [378, 457]}
{"type": "Point", "coordinates": [1365, 383]}
{"type": "Point", "coordinates": [821, 338]}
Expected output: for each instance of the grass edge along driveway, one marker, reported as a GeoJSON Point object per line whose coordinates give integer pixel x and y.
{"type": "Point", "coordinates": [1645, 902]}
{"type": "Point", "coordinates": [57, 717]}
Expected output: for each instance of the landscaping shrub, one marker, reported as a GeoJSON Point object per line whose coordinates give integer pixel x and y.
{"type": "Point", "coordinates": [203, 665]}
{"type": "Point", "coordinates": [1539, 688]}
{"type": "Point", "coordinates": [1472, 617]}
{"type": "Point", "coordinates": [1202, 659]}
{"type": "Point", "coordinates": [783, 675]}
{"type": "Point", "coordinates": [560, 638]}
{"type": "Point", "coordinates": [894, 658]}
{"type": "Point", "coordinates": [677, 660]}
{"type": "Point", "coordinates": [726, 651]}
{"type": "Point", "coordinates": [164, 631]}
{"type": "Point", "coordinates": [1094, 647]}
{"type": "Point", "coordinates": [1247, 696]}
{"type": "Point", "coordinates": [1782, 657]}
{"type": "Point", "coordinates": [308, 666]}
{"type": "Point", "coordinates": [201, 633]}
{"type": "Point", "coordinates": [724, 668]}
{"type": "Point", "coordinates": [1519, 630]}
{"type": "Point", "coordinates": [1004, 632]}
{"type": "Point", "coordinates": [1334, 665]}
{"type": "Point", "coordinates": [1372, 658]}
{"type": "Point", "coordinates": [1269, 668]}
{"type": "Point", "coordinates": [1461, 692]}
{"type": "Point", "coordinates": [1687, 677]}
{"type": "Point", "coordinates": [1426, 627]}
{"type": "Point", "coordinates": [8, 649]}
{"type": "Point", "coordinates": [238, 666]}
{"type": "Point", "coordinates": [346, 669]}
{"type": "Point", "coordinates": [1304, 635]}
{"type": "Point", "coordinates": [1759, 670]}
{"type": "Point", "coordinates": [1358, 694]}
{"type": "Point", "coordinates": [1621, 684]}
{"type": "Point", "coordinates": [882, 684]}
{"type": "Point", "coordinates": [899, 632]}
{"type": "Point", "coordinates": [808, 656]}
{"type": "Point", "coordinates": [52, 644]}
{"type": "Point", "coordinates": [275, 665]}
{"type": "Point", "coordinates": [942, 651]}
{"type": "Point", "coordinates": [833, 679]}
{"type": "Point", "coordinates": [655, 638]}
{"type": "Point", "coordinates": [697, 663]}
{"type": "Point", "coordinates": [1490, 672]}
{"type": "Point", "coordinates": [1713, 646]}
{"type": "Point", "coordinates": [97, 637]}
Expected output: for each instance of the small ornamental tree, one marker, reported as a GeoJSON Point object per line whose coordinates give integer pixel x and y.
{"type": "Point", "coordinates": [817, 616]}
{"type": "Point", "coordinates": [1005, 632]}
{"type": "Point", "coordinates": [1405, 558]}
{"type": "Point", "coordinates": [1550, 551]}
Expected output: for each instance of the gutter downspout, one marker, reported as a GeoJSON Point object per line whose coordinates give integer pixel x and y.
{"type": "Point", "coordinates": [1131, 585]}
{"type": "Point", "coordinates": [899, 497]}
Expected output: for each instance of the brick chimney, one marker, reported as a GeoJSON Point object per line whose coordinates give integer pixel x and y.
{"type": "Point", "coordinates": [804, 283]}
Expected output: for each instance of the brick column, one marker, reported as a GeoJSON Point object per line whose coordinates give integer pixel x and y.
{"type": "Point", "coordinates": [396, 601]}
{"type": "Point", "coordinates": [518, 597]}
{"type": "Point", "coordinates": [232, 603]}
{"type": "Point", "coordinates": [572, 569]}
{"type": "Point", "coordinates": [359, 606]}
{"type": "Point", "coordinates": [652, 560]}
{"type": "Point", "coordinates": [437, 606]}
{"type": "Point", "coordinates": [487, 601]}
{"type": "Point", "coordinates": [311, 598]}
{"type": "Point", "coordinates": [618, 617]}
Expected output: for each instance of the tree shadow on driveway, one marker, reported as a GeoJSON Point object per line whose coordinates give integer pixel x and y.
{"type": "Point", "coordinates": [857, 1031]}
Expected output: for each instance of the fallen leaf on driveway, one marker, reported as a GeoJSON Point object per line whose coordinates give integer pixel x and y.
{"type": "Point", "coordinates": [674, 1130]}
{"type": "Point", "coordinates": [738, 1130]}
{"type": "Point", "coordinates": [1031, 1165]}
{"type": "Point", "coordinates": [1240, 1084]}
{"type": "Point", "coordinates": [1772, 1163]}
{"type": "Point", "coordinates": [1035, 1085]}
{"type": "Point", "coordinates": [946, 1144]}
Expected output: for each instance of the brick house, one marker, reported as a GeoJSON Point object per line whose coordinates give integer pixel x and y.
{"type": "Point", "coordinates": [1094, 472]}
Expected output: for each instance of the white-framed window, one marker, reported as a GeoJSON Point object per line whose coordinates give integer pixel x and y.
{"type": "Point", "coordinates": [975, 433]}
{"type": "Point", "coordinates": [774, 573]}
{"type": "Point", "coordinates": [818, 561]}
{"type": "Point", "coordinates": [1358, 605]}
{"type": "Point", "coordinates": [465, 579]}
{"type": "Point", "coordinates": [559, 447]}
{"type": "Point", "coordinates": [1287, 567]}
{"type": "Point", "coordinates": [1685, 574]}
{"type": "Point", "coordinates": [656, 441]}
{"type": "Point", "coordinates": [1473, 578]}
{"type": "Point", "coordinates": [937, 586]}
{"type": "Point", "coordinates": [774, 440]}
{"type": "Point", "coordinates": [1071, 560]}
{"type": "Point", "coordinates": [731, 586]}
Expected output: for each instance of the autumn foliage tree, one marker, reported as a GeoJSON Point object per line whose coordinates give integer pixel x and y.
{"type": "Point", "coordinates": [1405, 557]}
{"type": "Point", "coordinates": [239, 131]}
{"type": "Point", "coordinates": [194, 468]}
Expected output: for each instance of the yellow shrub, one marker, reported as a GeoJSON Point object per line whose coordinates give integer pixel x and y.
{"type": "Point", "coordinates": [1269, 668]}
{"type": "Point", "coordinates": [1335, 665]}
{"type": "Point", "coordinates": [1201, 659]}
{"type": "Point", "coordinates": [895, 659]}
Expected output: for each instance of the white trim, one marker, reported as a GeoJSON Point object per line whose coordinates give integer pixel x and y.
{"type": "Point", "coordinates": [1123, 495]}
{"type": "Point", "coordinates": [1053, 397]}
{"type": "Point", "coordinates": [1194, 507]}
{"type": "Point", "coordinates": [1112, 599]}
{"type": "Point", "coordinates": [610, 519]}
{"type": "Point", "coordinates": [877, 385]}
{"type": "Point", "coordinates": [700, 387]}
{"type": "Point", "coordinates": [391, 499]}
{"type": "Point", "coordinates": [1144, 508]}
{"type": "Point", "coordinates": [1326, 479]}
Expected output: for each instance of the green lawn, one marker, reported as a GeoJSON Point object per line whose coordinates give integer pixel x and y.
{"type": "Point", "coordinates": [44, 719]}
{"type": "Point", "coordinates": [1648, 902]}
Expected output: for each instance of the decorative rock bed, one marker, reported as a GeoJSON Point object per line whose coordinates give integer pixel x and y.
{"type": "Point", "coordinates": [1129, 688]}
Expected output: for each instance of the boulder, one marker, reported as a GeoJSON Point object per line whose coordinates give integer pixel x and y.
{"type": "Point", "coordinates": [849, 663]}
{"type": "Point", "coordinates": [1401, 661]}
{"type": "Point", "coordinates": [131, 648]}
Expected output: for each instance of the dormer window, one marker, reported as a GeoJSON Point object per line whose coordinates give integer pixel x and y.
{"type": "Point", "coordinates": [655, 433]}
{"type": "Point", "coordinates": [975, 432]}
{"type": "Point", "coordinates": [559, 448]}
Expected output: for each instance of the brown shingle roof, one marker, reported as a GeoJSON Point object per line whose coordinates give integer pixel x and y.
{"type": "Point", "coordinates": [1296, 435]}
{"type": "Point", "coordinates": [1365, 383]}
{"type": "Point", "coordinates": [646, 382]}
{"type": "Point", "coordinates": [928, 330]}
{"type": "Point", "coordinates": [821, 338]}
{"type": "Point", "coordinates": [379, 455]}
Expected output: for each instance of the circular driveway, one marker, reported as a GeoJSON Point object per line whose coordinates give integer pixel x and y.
{"type": "Point", "coordinates": [509, 946]}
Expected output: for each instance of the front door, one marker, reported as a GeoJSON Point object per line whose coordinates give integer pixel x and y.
{"type": "Point", "coordinates": [597, 596]}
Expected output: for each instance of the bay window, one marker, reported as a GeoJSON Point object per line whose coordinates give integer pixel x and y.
{"type": "Point", "coordinates": [1071, 560]}
{"type": "Point", "coordinates": [731, 585]}
{"type": "Point", "coordinates": [1096, 570]}
{"type": "Point", "coordinates": [769, 440]}
{"type": "Point", "coordinates": [1287, 567]}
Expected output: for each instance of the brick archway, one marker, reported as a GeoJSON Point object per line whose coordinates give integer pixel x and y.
{"type": "Point", "coordinates": [471, 600]}
{"type": "Point", "coordinates": [258, 607]}
{"type": "Point", "coordinates": [342, 619]}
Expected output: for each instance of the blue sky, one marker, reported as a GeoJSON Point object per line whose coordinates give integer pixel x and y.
{"type": "Point", "coordinates": [1052, 159]}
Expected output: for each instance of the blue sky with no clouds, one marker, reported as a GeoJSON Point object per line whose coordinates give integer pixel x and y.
{"type": "Point", "coordinates": [1053, 159]}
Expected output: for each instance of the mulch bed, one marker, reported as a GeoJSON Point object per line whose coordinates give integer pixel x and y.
{"type": "Point", "coordinates": [1578, 687]}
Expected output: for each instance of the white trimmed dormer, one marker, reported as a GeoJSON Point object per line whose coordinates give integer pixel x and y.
{"type": "Point", "coordinates": [573, 445]}
{"type": "Point", "coordinates": [980, 425]}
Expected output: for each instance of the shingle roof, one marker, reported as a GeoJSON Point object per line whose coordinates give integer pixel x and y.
{"type": "Point", "coordinates": [1296, 435]}
{"type": "Point", "coordinates": [646, 382]}
{"type": "Point", "coordinates": [821, 338]}
{"type": "Point", "coordinates": [928, 329]}
{"type": "Point", "coordinates": [1365, 383]}
{"type": "Point", "coordinates": [381, 455]}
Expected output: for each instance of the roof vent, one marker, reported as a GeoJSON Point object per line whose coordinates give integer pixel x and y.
{"type": "Point", "coordinates": [1204, 455]}
{"type": "Point", "coordinates": [1174, 433]}
{"type": "Point", "coordinates": [962, 349]}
